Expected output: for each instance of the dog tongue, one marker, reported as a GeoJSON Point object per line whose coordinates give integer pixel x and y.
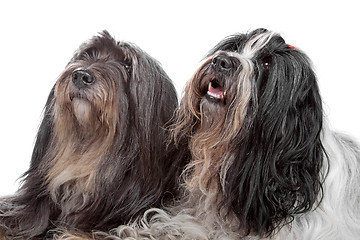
{"type": "Point", "coordinates": [216, 92]}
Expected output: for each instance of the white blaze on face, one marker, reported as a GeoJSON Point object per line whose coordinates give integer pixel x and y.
{"type": "Point", "coordinates": [244, 79]}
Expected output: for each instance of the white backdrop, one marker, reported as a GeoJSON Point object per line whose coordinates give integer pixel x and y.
{"type": "Point", "coordinates": [38, 38]}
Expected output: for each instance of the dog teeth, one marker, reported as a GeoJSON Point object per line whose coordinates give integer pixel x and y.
{"type": "Point", "coordinates": [218, 96]}
{"type": "Point", "coordinates": [215, 95]}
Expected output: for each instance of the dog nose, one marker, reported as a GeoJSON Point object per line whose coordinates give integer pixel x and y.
{"type": "Point", "coordinates": [82, 78]}
{"type": "Point", "coordinates": [222, 63]}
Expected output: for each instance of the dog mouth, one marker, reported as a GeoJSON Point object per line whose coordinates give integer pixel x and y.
{"type": "Point", "coordinates": [77, 96]}
{"type": "Point", "coordinates": [81, 107]}
{"type": "Point", "coordinates": [215, 90]}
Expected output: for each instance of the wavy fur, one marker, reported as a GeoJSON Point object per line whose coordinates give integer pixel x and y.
{"type": "Point", "coordinates": [264, 163]}
{"type": "Point", "coordinates": [100, 157]}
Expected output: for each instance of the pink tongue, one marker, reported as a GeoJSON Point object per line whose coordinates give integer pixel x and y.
{"type": "Point", "coordinates": [218, 90]}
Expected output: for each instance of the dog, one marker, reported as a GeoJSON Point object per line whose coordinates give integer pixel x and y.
{"type": "Point", "coordinates": [265, 164]}
{"type": "Point", "coordinates": [102, 154]}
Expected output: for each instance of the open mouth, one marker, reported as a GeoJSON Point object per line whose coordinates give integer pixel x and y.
{"type": "Point", "coordinates": [215, 90]}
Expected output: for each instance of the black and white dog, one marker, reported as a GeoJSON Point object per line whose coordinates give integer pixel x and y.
{"type": "Point", "coordinates": [100, 157]}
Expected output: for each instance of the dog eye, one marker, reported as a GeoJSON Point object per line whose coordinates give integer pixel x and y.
{"type": "Point", "coordinates": [266, 66]}
{"type": "Point", "coordinates": [127, 67]}
{"type": "Point", "coordinates": [126, 63]}
{"type": "Point", "coordinates": [266, 63]}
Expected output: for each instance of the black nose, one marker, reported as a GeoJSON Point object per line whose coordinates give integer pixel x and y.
{"type": "Point", "coordinates": [222, 63]}
{"type": "Point", "coordinates": [82, 78]}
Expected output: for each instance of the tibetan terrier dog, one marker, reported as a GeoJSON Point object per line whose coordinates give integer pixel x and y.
{"type": "Point", "coordinates": [264, 163]}
{"type": "Point", "coordinates": [101, 155]}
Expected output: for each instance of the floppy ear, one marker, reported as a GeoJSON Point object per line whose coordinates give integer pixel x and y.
{"type": "Point", "coordinates": [276, 167]}
{"type": "Point", "coordinates": [43, 137]}
{"type": "Point", "coordinates": [154, 88]}
{"type": "Point", "coordinates": [155, 99]}
{"type": "Point", "coordinates": [148, 100]}
{"type": "Point", "coordinates": [28, 211]}
{"type": "Point", "coordinates": [158, 101]}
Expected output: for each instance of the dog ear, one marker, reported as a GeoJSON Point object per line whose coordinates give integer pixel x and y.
{"type": "Point", "coordinates": [276, 169]}
{"type": "Point", "coordinates": [151, 101]}
{"type": "Point", "coordinates": [30, 209]}
{"type": "Point", "coordinates": [157, 100]}
{"type": "Point", "coordinates": [43, 137]}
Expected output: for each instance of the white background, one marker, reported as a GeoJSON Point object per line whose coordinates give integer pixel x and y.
{"type": "Point", "coordinates": [38, 39]}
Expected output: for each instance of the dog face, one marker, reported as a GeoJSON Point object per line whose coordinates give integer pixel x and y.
{"type": "Point", "coordinates": [100, 82]}
{"type": "Point", "coordinates": [254, 114]}
{"type": "Point", "coordinates": [90, 88]}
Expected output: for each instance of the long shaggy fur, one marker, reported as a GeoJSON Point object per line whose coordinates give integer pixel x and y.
{"type": "Point", "coordinates": [264, 163]}
{"type": "Point", "coordinates": [101, 156]}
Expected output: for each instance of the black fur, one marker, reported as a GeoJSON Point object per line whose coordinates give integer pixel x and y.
{"type": "Point", "coordinates": [278, 154]}
{"type": "Point", "coordinates": [138, 172]}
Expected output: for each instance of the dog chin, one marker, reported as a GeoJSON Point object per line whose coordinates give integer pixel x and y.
{"type": "Point", "coordinates": [82, 110]}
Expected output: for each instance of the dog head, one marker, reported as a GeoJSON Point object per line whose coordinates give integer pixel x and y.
{"type": "Point", "coordinates": [254, 115]}
{"type": "Point", "coordinates": [104, 80]}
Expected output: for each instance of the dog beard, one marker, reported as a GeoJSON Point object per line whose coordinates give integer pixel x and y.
{"type": "Point", "coordinates": [82, 111]}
